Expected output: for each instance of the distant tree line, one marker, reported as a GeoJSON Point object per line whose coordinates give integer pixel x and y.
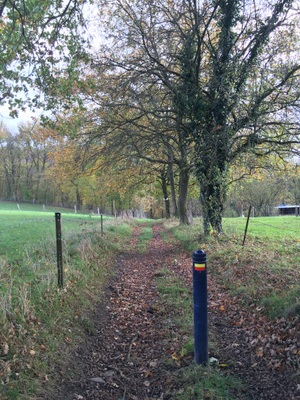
{"type": "Point", "coordinates": [39, 165]}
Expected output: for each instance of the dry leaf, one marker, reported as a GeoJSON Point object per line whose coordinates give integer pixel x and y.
{"type": "Point", "coordinates": [5, 349]}
{"type": "Point", "coordinates": [259, 352]}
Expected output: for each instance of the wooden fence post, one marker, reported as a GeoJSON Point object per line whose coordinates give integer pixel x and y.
{"type": "Point", "coordinates": [60, 271]}
{"type": "Point", "coordinates": [248, 217]}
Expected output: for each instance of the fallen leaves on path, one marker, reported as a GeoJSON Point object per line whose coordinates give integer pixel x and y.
{"type": "Point", "coordinates": [136, 349]}
{"type": "Point", "coordinates": [132, 354]}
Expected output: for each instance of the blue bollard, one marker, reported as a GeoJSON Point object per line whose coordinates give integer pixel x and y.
{"type": "Point", "coordinates": [200, 307]}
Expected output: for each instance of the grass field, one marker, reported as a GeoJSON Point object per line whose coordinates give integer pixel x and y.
{"type": "Point", "coordinates": [38, 321]}
{"type": "Point", "coordinates": [23, 229]}
{"type": "Point", "coordinates": [273, 228]}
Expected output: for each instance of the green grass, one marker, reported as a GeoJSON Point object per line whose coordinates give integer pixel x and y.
{"type": "Point", "coordinates": [176, 295]}
{"type": "Point", "coordinates": [266, 271]}
{"type": "Point", "coordinates": [21, 228]}
{"type": "Point", "coordinates": [208, 383]}
{"type": "Point", "coordinates": [145, 235]}
{"type": "Point", "coordinates": [40, 324]}
{"type": "Point", "coordinates": [273, 228]}
{"type": "Point", "coordinates": [282, 303]}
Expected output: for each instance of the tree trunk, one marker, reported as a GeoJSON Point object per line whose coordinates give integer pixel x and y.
{"type": "Point", "coordinates": [78, 199]}
{"type": "Point", "coordinates": [190, 211]}
{"type": "Point", "coordinates": [175, 211]}
{"type": "Point", "coordinates": [166, 198]}
{"type": "Point", "coordinates": [164, 186]}
{"type": "Point", "coordinates": [212, 197]}
{"type": "Point", "coordinates": [211, 172]}
{"type": "Point", "coordinates": [183, 193]}
{"type": "Point", "coordinates": [212, 212]}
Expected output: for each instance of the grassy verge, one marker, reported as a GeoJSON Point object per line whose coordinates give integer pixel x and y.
{"type": "Point", "coordinates": [40, 324]}
{"type": "Point", "coordinates": [265, 271]}
{"type": "Point", "coordinates": [145, 235]}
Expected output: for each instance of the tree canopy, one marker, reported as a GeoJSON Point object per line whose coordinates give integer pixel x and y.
{"type": "Point", "coordinates": [40, 42]}
{"type": "Point", "coordinates": [227, 71]}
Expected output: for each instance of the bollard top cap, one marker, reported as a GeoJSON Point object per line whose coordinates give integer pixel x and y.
{"type": "Point", "coordinates": [199, 256]}
{"type": "Point", "coordinates": [199, 251]}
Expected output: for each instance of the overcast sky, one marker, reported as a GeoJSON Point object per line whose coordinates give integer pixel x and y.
{"type": "Point", "coordinates": [12, 123]}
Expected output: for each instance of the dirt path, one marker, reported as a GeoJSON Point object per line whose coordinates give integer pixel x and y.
{"type": "Point", "coordinates": [127, 357]}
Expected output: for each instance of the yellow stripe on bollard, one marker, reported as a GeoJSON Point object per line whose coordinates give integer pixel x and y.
{"type": "Point", "coordinates": [199, 267]}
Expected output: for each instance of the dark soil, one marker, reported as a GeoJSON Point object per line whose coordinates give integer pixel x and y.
{"type": "Point", "coordinates": [129, 355]}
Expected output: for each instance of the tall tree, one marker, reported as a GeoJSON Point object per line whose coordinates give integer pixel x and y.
{"type": "Point", "coordinates": [262, 195]}
{"type": "Point", "coordinates": [228, 70]}
{"type": "Point", "coordinates": [41, 41]}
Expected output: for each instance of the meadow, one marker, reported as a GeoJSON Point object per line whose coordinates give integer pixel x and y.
{"type": "Point", "coordinates": [25, 228]}
{"type": "Point", "coordinates": [272, 228]}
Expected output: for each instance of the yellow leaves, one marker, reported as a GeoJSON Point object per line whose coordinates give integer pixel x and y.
{"type": "Point", "coordinates": [176, 356]}
{"type": "Point", "coordinates": [224, 365]}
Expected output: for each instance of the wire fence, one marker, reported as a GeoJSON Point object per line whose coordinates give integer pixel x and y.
{"type": "Point", "coordinates": [36, 245]}
{"type": "Point", "coordinates": [255, 221]}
